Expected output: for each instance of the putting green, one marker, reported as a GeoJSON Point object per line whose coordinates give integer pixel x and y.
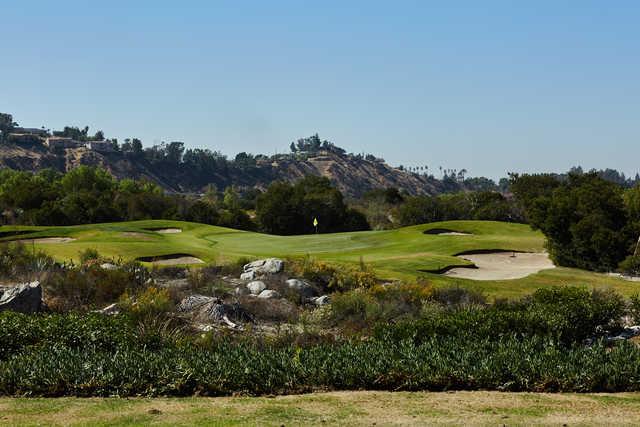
{"type": "Point", "coordinates": [405, 253]}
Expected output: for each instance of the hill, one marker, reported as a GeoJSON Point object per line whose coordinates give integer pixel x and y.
{"type": "Point", "coordinates": [352, 174]}
{"type": "Point", "coordinates": [407, 253]}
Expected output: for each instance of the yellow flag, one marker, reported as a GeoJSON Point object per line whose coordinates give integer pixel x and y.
{"type": "Point", "coordinates": [315, 222]}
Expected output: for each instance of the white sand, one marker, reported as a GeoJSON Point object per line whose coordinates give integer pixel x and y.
{"type": "Point", "coordinates": [502, 266]}
{"type": "Point", "coordinates": [46, 240]}
{"type": "Point", "coordinates": [168, 231]}
{"type": "Point", "coordinates": [452, 233]}
{"type": "Point", "coordinates": [179, 261]}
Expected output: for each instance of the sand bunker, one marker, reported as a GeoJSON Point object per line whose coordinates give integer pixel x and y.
{"type": "Point", "coordinates": [501, 265]}
{"type": "Point", "coordinates": [179, 261]}
{"type": "Point", "coordinates": [168, 230]}
{"type": "Point", "coordinates": [445, 232]}
{"type": "Point", "coordinates": [45, 240]}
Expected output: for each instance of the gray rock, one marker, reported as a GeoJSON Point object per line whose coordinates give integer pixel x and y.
{"type": "Point", "coordinates": [241, 290]}
{"type": "Point", "coordinates": [24, 298]}
{"type": "Point", "coordinates": [323, 300]}
{"type": "Point", "coordinates": [195, 302]}
{"type": "Point", "coordinates": [211, 309]}
{"type": "Point", "coordinates": [250, 275]}
{"type": "Point", "coordinates": [256, 287]}
{"type": "Point", "coordinates": [265, 266]}
{"type": "Point", "coordinates": [108, 266]}
{"type": "Point", "coordinates": [303, 288]}
{"type": "Point", "coordinates": [269, 294]}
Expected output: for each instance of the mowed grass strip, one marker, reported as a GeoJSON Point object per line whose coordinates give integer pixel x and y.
{"type": "Point", "coordinates": [404, 253]}
{"type": "Point", "coordinates": [364, 408]}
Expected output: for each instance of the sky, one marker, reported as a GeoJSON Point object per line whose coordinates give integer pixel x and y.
{"type": "Point", "coordinates": [491, 86]}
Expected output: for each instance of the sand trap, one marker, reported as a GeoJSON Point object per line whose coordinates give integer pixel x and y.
{"type": "Point", "coordinates": [179, 260]}
{"type": "Point", "coordinates": [46, 240]}
{"type": "Point", "coordinates": [173, 259]}
{"type": "Point", "coordinates": [168, 230]}
{"type": "Point", "coordinates": [445, 232]}
{"type": "Point", "coordinates": [502, 265]}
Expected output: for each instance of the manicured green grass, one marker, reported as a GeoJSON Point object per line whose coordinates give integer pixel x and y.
{"type": "Point", "coordinates": [337, 408]}
{"type": "Point", "coordinates": [404, 253]}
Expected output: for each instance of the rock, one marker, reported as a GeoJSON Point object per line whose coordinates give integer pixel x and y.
{"type": "Point", "coordinates": [24, 298]}
{"type": "Point", "coordinates": [269, 294]}
{"type": "Point", "coordinates": [213, 309]}
{"type": "Point", "coordinates": [195, 302]}
{"type": "Point", "coordinates": [303, 288]}
{"type": "Point", "coordinates": [256, 287]}
{"type": "Point", "coordinates": [241, 290]}
{"type": "Point", "coordinates": [248, 275]}
{"type": "Point", "coordinates": [625, 334]}
{"type": "Point", "coordinates": [323, 300]}
{"type": "Point", "coordinates": [265, 266]}
{"type": "Point", "coordinates": [108, 266]}
{"type": "Point", "coordinates": [109, 310]}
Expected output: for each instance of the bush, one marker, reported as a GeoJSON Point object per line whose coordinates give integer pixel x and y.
{"type": "Point", "coordinates": [333, 277]}
{"type": "Point", "coordinates": [92, 286]}
{"type": "Point", "coordinates": [147, 303]}
{"type": "Point", "coordinates": [17, 262]}
{"type": "Point", "coordinates": [630, 266]}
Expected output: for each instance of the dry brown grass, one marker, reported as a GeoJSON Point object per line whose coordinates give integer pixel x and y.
{"type": "Point", "coordinates": [336, 408]}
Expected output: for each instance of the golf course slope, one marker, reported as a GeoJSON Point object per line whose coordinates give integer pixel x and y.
{"type": "Point", "coordinates": [403, 254]}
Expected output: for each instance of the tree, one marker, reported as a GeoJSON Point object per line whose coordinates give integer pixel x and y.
{"type": "Point", "coordinates": [290, 209]}
{"type": "Point", "coordinates": [586, 223]}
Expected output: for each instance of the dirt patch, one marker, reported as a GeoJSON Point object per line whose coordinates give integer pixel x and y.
{"type": "Point", "coordinates": [45, 240]}
{"type": "Point", "coordinates": [173, 259]}
{"type": "Point", "coordinates": [167, 230]}
{"type": "Point", "coordinates": [445, 232]}
{"type": "Point", "coordinates": [501, 265]}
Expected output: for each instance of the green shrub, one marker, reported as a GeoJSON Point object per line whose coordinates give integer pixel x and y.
{"type": "Point", "coordinates": [630, 266]}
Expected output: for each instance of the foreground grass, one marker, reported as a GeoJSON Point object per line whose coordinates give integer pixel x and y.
{"type": "Point", "coordinates": [336, 408]}
{"type": "Point", "coordinates": [405, 253]}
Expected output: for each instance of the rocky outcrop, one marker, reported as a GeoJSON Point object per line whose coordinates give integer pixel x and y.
{"type": "Point", "coordinates": [23, 298]}
{"type": "Point", "coordinates": [256, 287]}
{"type": "Point", "coordinates": [263, 267]}
{"type": "Point", "coordinates": [302, 288]}
{"type": "Point", "coordinates": [211, 309]}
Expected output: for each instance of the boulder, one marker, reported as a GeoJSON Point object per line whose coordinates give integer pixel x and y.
{"type": "Point", "coordinates": [108, 266]}
{"type": "Point", "coordinates": [24, 298]}
{"type": "Point", "coordinates": [248, 275]}
{"type": "Point", "coordinates": [269, 294]}
{"type": "Point", "coordinates": [265, 266]}
{"type": "Point", "coordinates": [304, 289]}
{"type": "Point", "coordinates": [256, 287]}
{"type": "Point", "coordinates": [195, 302]}
{"type": "Point", "coordinates": [211, 309]}
{"type": "Point", "coordinates": [323, 300]}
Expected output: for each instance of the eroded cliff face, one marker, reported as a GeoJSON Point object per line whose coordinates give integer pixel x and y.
{"type": "Point", "coordinates": [354, 176]}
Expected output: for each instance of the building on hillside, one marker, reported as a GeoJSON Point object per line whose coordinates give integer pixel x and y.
{"type": "Point", "coordinates": [101, 146]}
{"type": "Point", "coordinates": [24, 139]}
{"type": "Point", "coordinates": [54, 142]}
{"type": "Point", "coordinates": [30, 131]}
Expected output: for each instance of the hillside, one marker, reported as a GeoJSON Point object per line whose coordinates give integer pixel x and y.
{"type": "Point", "coordinates": [353, 175]}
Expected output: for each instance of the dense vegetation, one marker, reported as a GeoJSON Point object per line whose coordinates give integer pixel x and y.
{"type": "Point", "coordinates": [589, 222]}
{"type": "Point", "coordinates": [535, 344]}
{"type": "Point", "coordinates": [291, 209]}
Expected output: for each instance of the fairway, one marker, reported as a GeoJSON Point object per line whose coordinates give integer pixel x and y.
{"type": "Point", "coordinates": [364, 408]}
{"type": "Point", "coordinates": [403, 254]}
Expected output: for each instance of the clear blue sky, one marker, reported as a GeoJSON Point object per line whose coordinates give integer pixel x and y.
{"type": "Point", "coordinates": [491, 86]}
